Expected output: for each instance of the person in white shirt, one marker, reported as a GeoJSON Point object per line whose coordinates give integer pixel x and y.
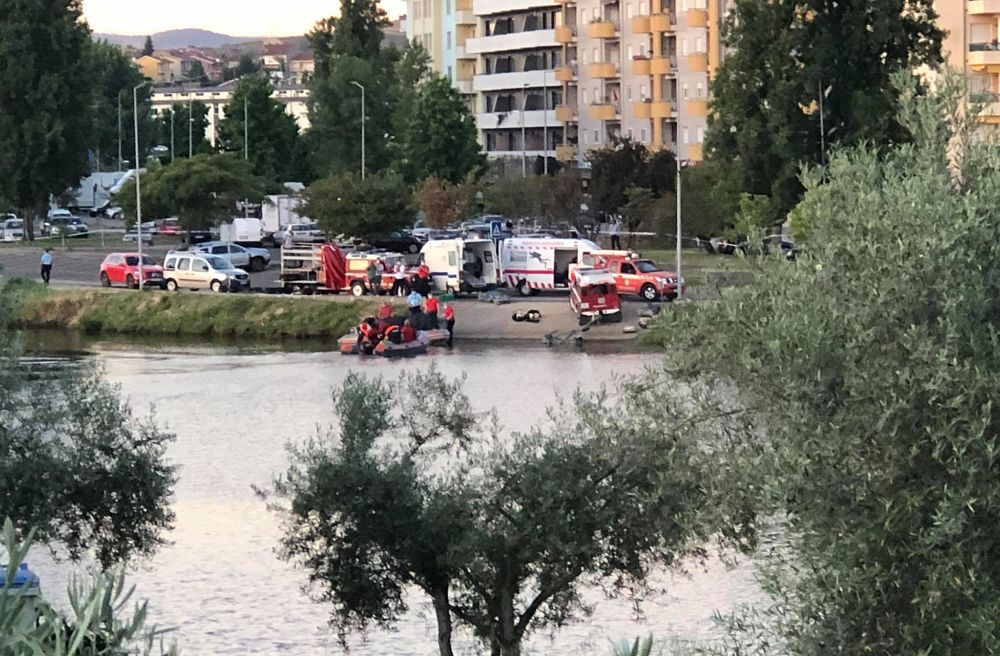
{"type": "Point", "coordinates": [615, 231]}
{"type": "Point", "coordinates": [399, 286]}
{"type": "Point", "coordinates": [46, 266]}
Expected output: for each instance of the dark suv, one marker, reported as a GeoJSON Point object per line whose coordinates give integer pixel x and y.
{"type": "Point", "coordinates": [69, 226]}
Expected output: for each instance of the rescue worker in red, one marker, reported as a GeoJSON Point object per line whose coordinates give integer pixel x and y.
{"type": "Point", "coordinates": [422, 283]}
{"type": "Point", "coordinates": [431, 310]}
{"type": "Point", "coordinates": [409, 332]}
{"type": "Point", "coordinates": [449, 318]}
{"type": "Point", "coordinates": [368, 336]}
{"type": "Point", "coordinates": [384, 317]}
{"type": "Point", "coordinates": [393, 334]}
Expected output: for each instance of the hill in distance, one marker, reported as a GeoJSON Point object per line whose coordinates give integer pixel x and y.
{"type": "Point", "coordinates": [177, 39]}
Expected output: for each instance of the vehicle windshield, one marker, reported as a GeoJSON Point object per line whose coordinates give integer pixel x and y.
{"type": "Point", "coordinates": [133, 260]}
{"type": "Point", "coordinates": [219, 263]}
{"type": "Point", "coordinates": [646, 266]}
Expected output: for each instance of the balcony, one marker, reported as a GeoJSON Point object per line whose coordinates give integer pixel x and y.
{"type": "Point", "coordinates": [640, 66]}
{"type": "Point", "coordinates": [565, 73]}
{"type": "Point", "coordinates": [603, 111]}
{"type": "Point", "coordinates": [564, 153]}
{"type": "Point", "coordinates": [565, 113]}
{"type": "Point", "coordinates": [533, 118]}
{"type": "Point", "coordinates": [660, 109]}
{"type": "Point", "coordinates": [640, 25]}
{"type": "Point", "coordinates": [983, 7]}
{"type": "Point", "coordinates": [564, 34]}
{"type": "Point", "coordinates": [984, 56]}
{"type": "Point", "coordinates": [602, 70]}
{"type": "Point", "coordinates": [517, 80]}
{"type": "Point", "coordinates": [464, 86]}
{"type": "Point", "coordinates": [465, 17]}
{"type": "Point", "coordinates": [696, 108]}
{"type": "Point", "coordinates": [660, 66]}
{"type": "Point", "coordinates": [564, 2]}
{"type": "Point", "coordinates": [490, 7]}
{"type": "Point", "coordinates": [696, 17]}
{"type": "Point", "coordinates": [698, 63]}
{"type": "Point", "coordinates": [516, 41]}
{"type": "Point", "coordinates": [602, 30]}
{"type": "Point", "coordinates": [660, 23]}
{"type": "Point", "coordinates": [642, 109]}
{"type": "Point", "coordinates": [463, 5]}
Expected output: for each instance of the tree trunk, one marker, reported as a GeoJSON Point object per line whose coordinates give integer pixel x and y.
{"type": "Point", "coordinates": [510, 642]}
{"type": "Point", "coordinates": [28, 216]}
{"type": "Point", "coordinates": [443, 613]}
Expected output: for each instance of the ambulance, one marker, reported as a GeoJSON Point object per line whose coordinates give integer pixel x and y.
{"type": "Point", "coordinates": [529, 264]}
{"type": "Point", "coordinates": [461, 265]}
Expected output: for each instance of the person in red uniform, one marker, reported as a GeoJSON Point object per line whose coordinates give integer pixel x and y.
{"type": "Point", "coordinates": [368, 336]}
{"type": "Point", "coordinates": [393, 334]}
{"type": "Point", "coordinates": [431, 310]}
{"type": "Point", "coordinates": [449, 318]}
{"type": "Point", "coordinates": [409, 332]}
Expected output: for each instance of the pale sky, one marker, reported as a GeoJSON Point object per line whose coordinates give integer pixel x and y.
{"type": "Point", "coordinates": [236, 17]}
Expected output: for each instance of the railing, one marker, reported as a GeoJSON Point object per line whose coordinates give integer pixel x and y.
{"type": "Point", "coordinates": [984, 46]}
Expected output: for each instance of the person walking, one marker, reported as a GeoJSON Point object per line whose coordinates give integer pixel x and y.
{"type": "Point", "coordinates": [289, 241]}
{"type": "Point", "coordinates": [46, 266]}
{"type": "Point", "coordinates": [449, 318]}
{"type": "Point", "coordinates": [615, 231]}
{"type": "Point", "coordinates": [399, 279]}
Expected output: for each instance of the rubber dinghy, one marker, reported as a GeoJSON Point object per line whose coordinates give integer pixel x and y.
{"type": "Point", "coordinates": [387, 349]}
{"type": "Point", "coordinates": [434, 337]}
{"type": "Point", "coordinates": [348, 344]}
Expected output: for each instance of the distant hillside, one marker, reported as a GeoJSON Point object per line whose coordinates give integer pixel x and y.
{"type": "Point", "coordinates": [177, 39]}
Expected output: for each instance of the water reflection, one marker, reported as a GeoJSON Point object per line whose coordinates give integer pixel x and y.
{"type": "Point", "coordinates": [219, 582]}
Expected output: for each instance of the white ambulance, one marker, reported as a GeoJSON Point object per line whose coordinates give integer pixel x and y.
{"type": "Point", "coordinates": [461, 265]}
{"type": "Point", "coordinates": [532, 263]}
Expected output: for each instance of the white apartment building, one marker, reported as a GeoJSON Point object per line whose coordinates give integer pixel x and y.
{"type": "Point", "coordinates": [561, 77]}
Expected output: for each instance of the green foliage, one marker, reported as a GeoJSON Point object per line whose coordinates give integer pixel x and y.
{"type": "Point", "coordinates": [178, 117]}
{"type": "Point", "coordinates": [200, 191]}
{"type": "Point", "coordinates": [45, 111]}
{"type": "Point", "coordinates": [613, 170]}
{"type": "Point", "coordinates": [868, 370]}
{"type": "Point", "coordinates": [234, 315]}
{"type": "Point", "coordinates": [418, 489]}
{"type": "Point", "coordinates": [641, 647]}
{"type": "Point", "coordinates": [345, 204]}
{"type": "Point", "coordinates": [71, 451]}
{"type": "Point", "coordinates": [271, 131]}
{"type": "Point", "coordinates": [147, 46]}
{"type": "Point", "coordinates": [560, 197]}
{"type": "Point", "coordinates": [638, 208]}
{"type": "Point", "coordinates": [113, 76]}
{"type": "Point", "coordinates": [782, 58]}
{"type": "Point", "coordinates": [96, 627]}
{"type": "Point", "coordinates": [755, 214]}
{"type": "Point", "coordinates": [512, 196]}
{"type": "Point", "coordinates": [442, 202]}
{"type": "Point", "coordinates": [439, 137]}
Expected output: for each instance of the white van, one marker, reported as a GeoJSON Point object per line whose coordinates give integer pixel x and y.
{"type": "Point", "coordinates": [460, 265]}
{"type": "Point", "coordinates": [11, 228]}
{"type": "Point", "coordinates": [182, 269]}
{"type": "Point", "coordinates": [532, 263]}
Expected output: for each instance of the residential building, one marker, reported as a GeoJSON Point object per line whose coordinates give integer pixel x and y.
{"type": "Point", "coordinates": [971, 46]}
{"type": "Point", "coordinates": [561, 77]}
{"type": "Point", "coordinates": [294, 98]}
{"type": "Point", "coordinates": [274, 60]}
{"type": "Point", "coordinates": [301, 68]}
{"type": "Point", "coordinates": [161, 68]}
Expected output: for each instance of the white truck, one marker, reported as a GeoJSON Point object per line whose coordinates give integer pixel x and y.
{"type": "Point", "coordinates": [461, 265]}
{"type": "Point", "coordinates": [242, 231]}
{"type": "Point", "coordinates": [278, 211]}
{"type": "Point", "coordinates": [529, 264]}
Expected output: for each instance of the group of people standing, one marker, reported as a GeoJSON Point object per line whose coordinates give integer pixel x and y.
{"type": "Point", "coordinates": [423, 315]}
{"type": "Point", "coordinates": [401, 284]}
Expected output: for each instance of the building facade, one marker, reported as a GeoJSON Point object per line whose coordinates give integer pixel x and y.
{"type": "Point", "coordinates": [560, 77]}
{"type": "Point", "coordinates": [971, 46]}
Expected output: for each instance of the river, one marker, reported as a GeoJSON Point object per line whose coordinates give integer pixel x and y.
{"type": "Point", "coordinates": [219, 585]}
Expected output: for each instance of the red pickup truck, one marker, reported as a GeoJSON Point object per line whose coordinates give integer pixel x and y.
{"type": "Point", "coordinates": [635, 274]}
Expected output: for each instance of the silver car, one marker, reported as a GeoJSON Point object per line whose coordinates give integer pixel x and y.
{"type": "Point", "coordinates": [183, 269]}
{"type": "Point", "coordinates": [252, 259]}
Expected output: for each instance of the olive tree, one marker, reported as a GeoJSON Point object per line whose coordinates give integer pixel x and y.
{"type": "Point", "coordinates": [501, 532]}
{"type": "Point", "coordinates": [869, 370]}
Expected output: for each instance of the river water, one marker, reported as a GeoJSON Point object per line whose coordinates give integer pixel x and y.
{"type": "Point", "coordinates": [219, 584]}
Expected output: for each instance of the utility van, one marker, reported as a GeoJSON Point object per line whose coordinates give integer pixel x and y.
{"type": "Point", "coordinates": [461, 265]}
{"type": "Point", "coordinates": [532, 263]}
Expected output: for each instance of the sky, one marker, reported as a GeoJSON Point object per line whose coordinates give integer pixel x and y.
{"type": "Point", "coordinates": [236, 17]}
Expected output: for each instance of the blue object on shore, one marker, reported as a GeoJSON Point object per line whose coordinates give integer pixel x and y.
{"type": "Point", "coordinates": [23, 578]}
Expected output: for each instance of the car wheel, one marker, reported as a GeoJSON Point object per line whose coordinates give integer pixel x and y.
{"type": "Point", "coordinates": [171, 285]}
{"type": "Point", "coordinates": [649, 293]}
{"type": "Point", "coordinates": [257, 264]}
{"type": "Point", "coordinates": [358, 288]}
{"type": "Point", "coordinates": [130, 281]}
{"type": "Point", "coordinates": [413, 248]}
{"type": "Point", "coordinates": [216, 286]}
{"type": "Point", "coordinates": [105, 281]}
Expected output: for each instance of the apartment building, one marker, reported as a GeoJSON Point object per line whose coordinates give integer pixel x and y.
{"type": "Point", "coordinates": [972, 46]}
{"type": "Point", "coordinates": [443, 27]}
{"type": "Point", "coordinates": [560, 77]}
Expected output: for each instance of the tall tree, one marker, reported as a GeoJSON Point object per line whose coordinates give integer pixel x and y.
{"type": "Point", "coordinates": [197, 72]}
{"type": "Point", "coordinates": [787, 58]}
{"type": "Point", "coordinates": [46, 112]}
{"type": "Point", "coordinates": [442, 202]}
{"type": "Point", "coordinates": [613, 170]}
{"type": "Point", "coordinates": [440, 137]}
{"type": "Point", "coordinates": [147, 46]}
{"type": "Point", "coordinates": [345, 204]}
{"type": "Point", "coordinates": [358, 30]}
{"type": "Point", "coordinates": [178, 117]}
{"type": "Point", "coordinates": [114, 76]}
{"type": "Point", "coordinates": [272, 132]}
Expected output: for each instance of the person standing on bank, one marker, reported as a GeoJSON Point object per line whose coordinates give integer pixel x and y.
{"type": "Point", "coordinates": [46, 266]}
{"type": "Point", "coordinates": [449, 318]}
{"type": "Point", "coordinates": [615, 231]}
{"type": "Point", "coordinates": [374, 279]}
{"type": "Point", "coordinates": [399, 279]}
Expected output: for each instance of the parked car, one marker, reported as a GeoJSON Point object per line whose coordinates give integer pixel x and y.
{"type": "Point", "coordinates": [11, 228]}
{"type": "Point", "coordinates": [134, 235]}
{"type": "Point", "coordinates": [168, 227]}
{"type": "Point", "coordinates": [182, 269]}
{"type": "Point", "coordinates": [252, 259]}
{"type": "Point", "coordinates": [301, 232]}
{"type": "Point", "coordinates": [123, 269]}
{"type": "Point", "coordinates": [63, 225]}
{"type": "Point", "coordinates": [398, 242]}
{"type": "Point", "coordinates": [635, 275]}
{"type": "Point", "coordinates": [198, 236]}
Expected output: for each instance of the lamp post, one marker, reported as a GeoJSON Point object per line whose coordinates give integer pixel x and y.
{"type": "Point", "coordinates": [190, 128]}
{"type": "Point", "coordinates": [120, 131]}
{"type": "Point", "coordinates": [138, 192]}
{"type": "Point", "coordinates": [173, 112]}
{"type": "Point", "coordinates": [545, 121]}
{"type": "Point", "coordinates": [358, 85]}
{"type": "Point", "coordinates": [524, 142]}
{"type": "Point", "coordinates": [677, 158]}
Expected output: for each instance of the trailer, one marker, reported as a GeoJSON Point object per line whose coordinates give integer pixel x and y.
{"type": "Point", "coordinates": [323, 268]}
{"type": "Point", "coordinates": [529, 264]}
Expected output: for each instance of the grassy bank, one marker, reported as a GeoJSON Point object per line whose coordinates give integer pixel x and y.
{"type": "Point", "coordinates": [183, 313]}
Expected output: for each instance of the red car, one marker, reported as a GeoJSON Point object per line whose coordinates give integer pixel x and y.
{"type": "Point", "coordinates": [123, 269]}
{"type": "Point", "coordinates": [168, 227]}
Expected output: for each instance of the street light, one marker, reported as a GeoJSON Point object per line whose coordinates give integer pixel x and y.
{"type": "Point", "coordinates": [190, 128]}
{"type": "Point", "coordinates": [545, 120]}
{"type": "Point", "coordinates": [120, 130]}
{"type": "Point", "coordinates": [677, 158]}
{"type": "Point", "coordinates": [358, 85]}
{"type": "Point", "coordinates": [524, 142]}
{"type": "Point", "coordinates": [138, 192]}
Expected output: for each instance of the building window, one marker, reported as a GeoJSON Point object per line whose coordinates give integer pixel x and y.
{"type": "Point", "coordinates": [700, 90]}
{"type": "Point", "coordinates": [584, 137]}
{"type": "Point", "coordinates": [684, 47]}
{"type": "Point", "coordinates": [642, 137]}
{"type": "Point", "coordinates": [642, 8]}
{"type": "Point", "coordinates": [642, 91]}
{"type": "Point", "coordinates": [629, 52]}
{"type": "Point", "coordinates": [628, 93]}
{"type": "Point", "coordinates": [447, 6]}
{"type": "Point", "coordinates": [628, 10]}
{"type": "Point", "coordinates": [629, 133]}
{"type": "Point", "coordinates": [447, 39]}
{"type": "Point", "coordinates": [701, 135]}
{"type": "Point", "coordinates": [586, 96]}
{"type": "Point", "coordinates": [450, 75]}
{"type": "Point", "coordinates": [685, 91]}
{"type": "Point", "coordinates": [586, 57]}
{"type": "Point", "coordinates": [597, 56]}
{"type": "Point", "coordinates": [596, 14]}
{"type": "Point", "coordinates": [597, 137]}
{"type": "Point", "coordinates": [686, 136]}
{"type": "Point", "coordinates": [699, 45]}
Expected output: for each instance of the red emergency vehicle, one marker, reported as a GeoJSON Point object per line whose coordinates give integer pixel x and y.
{"type": "Point", "coordinates": [325, 268]}
{"type": "Point", "coordinates": [593, 295]}
{"type": "Point", "coordinates": [635, 274]}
